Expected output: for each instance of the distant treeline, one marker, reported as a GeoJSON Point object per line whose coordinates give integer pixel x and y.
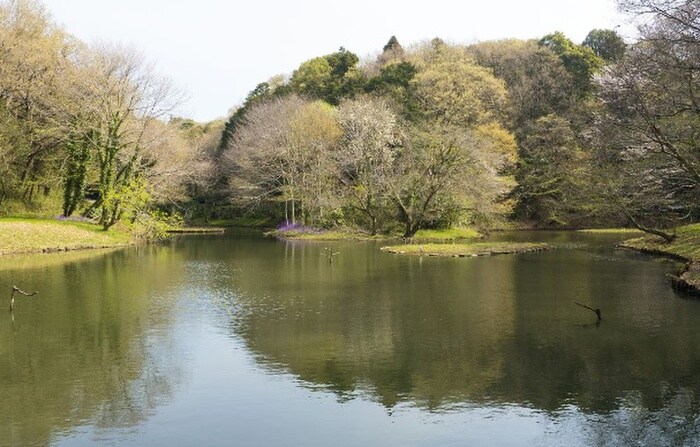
{"type": "Point", "coordinates": [548, 132]}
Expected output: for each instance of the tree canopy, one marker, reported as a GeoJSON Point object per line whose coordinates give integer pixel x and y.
{"type": "Point", "coordinates": [649, 125]}
{"type": "Point", "coordinates": [87, 120]}
{"type": "Point", "coordinates": [431, 134]}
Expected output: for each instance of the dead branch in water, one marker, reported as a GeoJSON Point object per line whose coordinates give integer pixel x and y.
{"type": "Point", "coordinates": [596, 311]}
{"type": "Point", "coordinates": [330, 253]}
{"type": "Point", "coordinates": [16, 289]}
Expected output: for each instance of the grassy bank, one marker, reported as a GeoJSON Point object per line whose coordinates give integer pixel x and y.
{"type": "Point", "coordinates": [49, 235]}
{"type": "Point", "coordinates": [466, 250]}
{"type": "Point", "coordinates": [686, 246]}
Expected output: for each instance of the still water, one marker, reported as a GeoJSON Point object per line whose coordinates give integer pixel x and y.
{"type": "Point", "coordinates": [240, 340]}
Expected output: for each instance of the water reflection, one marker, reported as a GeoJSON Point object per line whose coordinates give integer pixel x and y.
{"type": "Point", "coordinates": [443, 333]}
{"type": "Point", "coordinates": [84, 349]}
{"type": "Point", "coordinates": [258, 340]}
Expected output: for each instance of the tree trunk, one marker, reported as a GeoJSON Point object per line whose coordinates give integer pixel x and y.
{"type": "Point", "coordinates": [666, 236]}
{"type": "Point", "coordinates": [294, 213]}
{"type": "Point", "coordinates": [411, 230]}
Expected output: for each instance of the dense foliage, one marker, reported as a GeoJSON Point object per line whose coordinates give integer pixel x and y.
{"type": "Point", "coordinates": [545, 131]}
{"type": "Point", "coordinates": [421, 142]}
{"type": "Point", "coordinates": [87, 121]}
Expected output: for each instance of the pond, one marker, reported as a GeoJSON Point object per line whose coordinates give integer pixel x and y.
{"type": "Point", "coordinates": [241, 340]}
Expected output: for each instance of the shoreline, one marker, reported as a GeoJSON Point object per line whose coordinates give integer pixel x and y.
{"type": "Point", "coordinates": [196, 230]}
{"type": "Point", "coordinates": [311, 234]}
{"type": "Point", "coordinates": [39, 236]}
{"type": "Point", "coordinates": [687, 279]}
{"type": "Point", "coordinates": [49, 250]}
{"type": "Point", "coordinates": [22, 236]}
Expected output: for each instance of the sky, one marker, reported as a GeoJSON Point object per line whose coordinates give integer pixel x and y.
{"type": "Point", "coordinates": [219, 50]}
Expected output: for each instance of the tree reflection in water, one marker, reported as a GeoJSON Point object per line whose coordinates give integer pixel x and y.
{"type": "Point", "coordinates": [88, 350]}
{"type": "Point", "coordinates": [446, 334]}
{"type": "Point", "coordinates": [483, 339]}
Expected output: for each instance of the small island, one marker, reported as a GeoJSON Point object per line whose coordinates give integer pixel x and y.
{"type": "Point", "coordinates": [467, 250]}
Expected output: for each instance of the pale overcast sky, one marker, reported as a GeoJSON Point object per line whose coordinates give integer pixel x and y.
{"type": "Point", "coordinates": [219, 50]}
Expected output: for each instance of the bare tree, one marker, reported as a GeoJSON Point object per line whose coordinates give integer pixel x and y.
{"type": "Point", "coordinates": [371, 135]}
{"type": "Point", "coordinates": [284, 152]}
{"type": "Point", "coordinates": [652, 104]}
{"type": "Point", "coordinates": [258, 160]}
{"type": "Point", "coordinates": [35, 66]}
{"type": "Point", "coordinates": [446, 174]}
{"type": "Point", "coordinates": [123, 98]}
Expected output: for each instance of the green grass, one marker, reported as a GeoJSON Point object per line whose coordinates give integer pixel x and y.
{"type": "Point", "coordinates": [450, 234]}
{"type": "Point", "coordinates": [41, 206]}
{"type": "Point", "coordinates": [686, 245]}
{"type": "Point", "coordinates": [466, 250]}
{"type": "Point", "coordinates": [18, 235]}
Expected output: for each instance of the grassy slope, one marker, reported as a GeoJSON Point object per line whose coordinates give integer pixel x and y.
{"type": "Point", "coordinates": [464, 250]}
{"type": "Point", "coordinates": [686, 245]}
{"type": "Point", "coordinates": [36, 235]}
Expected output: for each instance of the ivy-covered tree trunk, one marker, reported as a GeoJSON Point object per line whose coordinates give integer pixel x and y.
{"type": "Point", "coordinates": [108, 153]}
{"type": "Point", "coordinates": [75, 175]}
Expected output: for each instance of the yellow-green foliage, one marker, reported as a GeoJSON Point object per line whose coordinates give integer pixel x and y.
{"type": "Point", "coordinates": [449, 234]}
{"type": "Point", "coordinates": [464, 250]}
{"type": "Point", "coordinates": [42, 206]}
{"type": "Point", "coordinates": [34, 235]}
{"type": "Point", "coordinates": [686, 244]}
